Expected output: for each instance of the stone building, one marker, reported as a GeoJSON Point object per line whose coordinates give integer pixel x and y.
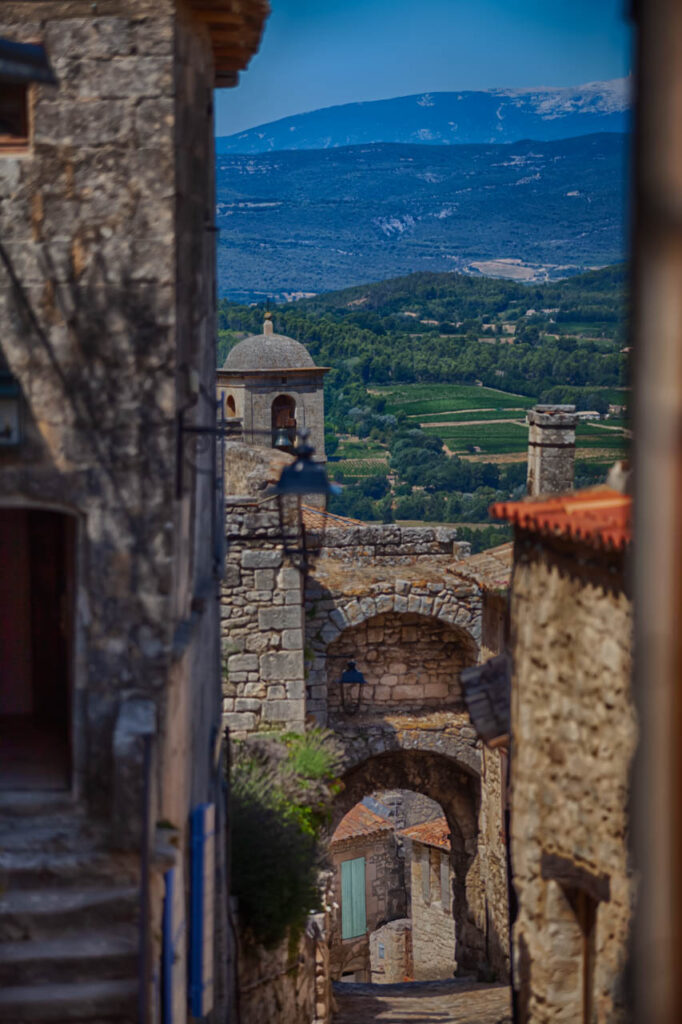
{"type": "Point", "coordinates": [573, 739]}
{"type": "Point", "coordinates": [270, 383]}
{"type": "Point", "coordinates": [368, 890]}
{"type": "Point", "coordinates": [111, 539]}
{"type": "Point", "coordinates": [428, 861]}
{"type": "Point", "coordinates": [410, 608]}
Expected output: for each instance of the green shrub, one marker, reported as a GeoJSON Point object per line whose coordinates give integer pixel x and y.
{"type": "Point", "coordinates": [282, 787]}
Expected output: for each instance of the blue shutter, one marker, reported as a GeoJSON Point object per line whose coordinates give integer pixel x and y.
{"type": "Point", "coordinates": [202, 909]}
{"type": "Point", "coordinates": [353, 911]}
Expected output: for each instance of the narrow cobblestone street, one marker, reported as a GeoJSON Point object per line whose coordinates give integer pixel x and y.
{"type": "Point", "coordinates": [427, 1002]}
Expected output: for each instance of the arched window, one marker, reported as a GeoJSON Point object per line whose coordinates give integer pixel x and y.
{"type": "Point", "coordinates": [284, 422]}
{"type": "Point", "coordinates": [230, 407]}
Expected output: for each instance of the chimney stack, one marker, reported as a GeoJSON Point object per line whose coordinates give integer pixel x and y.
{"type": "Point", "coordinates": [551, 449]}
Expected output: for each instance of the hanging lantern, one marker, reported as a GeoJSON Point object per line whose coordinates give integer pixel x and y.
{"type": "Point", "coordinates": [303, 478]}
{"type": "Point", "coordinates": [351, 683]}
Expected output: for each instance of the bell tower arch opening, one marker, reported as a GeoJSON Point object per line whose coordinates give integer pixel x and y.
{"type": "Point", "coordinates": [283, 422]}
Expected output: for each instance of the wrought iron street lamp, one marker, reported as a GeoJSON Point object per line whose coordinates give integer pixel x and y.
{"type": "Point", "coordinates": [303, 478]}
{"type": "Point", "coordinates": [351, 683]}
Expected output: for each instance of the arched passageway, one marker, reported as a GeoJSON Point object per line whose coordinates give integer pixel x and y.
{"type": "Point", "coordinates": [457, 790]}
{"type": "Point", "coordinates": [392, 883]}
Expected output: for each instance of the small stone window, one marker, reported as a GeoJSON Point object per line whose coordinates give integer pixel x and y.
{"type": "Point", "coordinates": [14, 117]}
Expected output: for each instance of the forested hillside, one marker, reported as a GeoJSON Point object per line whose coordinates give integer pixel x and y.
{"type": "Point", "coordinates": [431, 375]}
{"type": "Point", "coordinates": [314, 220]}
{"type": "Point", "coordinates": [452, 327]}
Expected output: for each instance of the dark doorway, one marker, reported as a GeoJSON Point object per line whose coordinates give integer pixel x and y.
{"type": "Point", "coordinates": [37, 583]}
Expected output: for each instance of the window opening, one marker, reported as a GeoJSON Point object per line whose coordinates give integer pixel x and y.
{"type": "Point", "coordinates": [14, 120]}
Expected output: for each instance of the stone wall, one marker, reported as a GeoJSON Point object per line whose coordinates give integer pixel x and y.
{"type": "Point", "coordinates": [262, 624]}
{"type": "Point", "coordinates": [287, 984]}
{"type": "Point", "coordinates": [409, 661]}
{"type": "Point", "coordinates": [390, 953]}
{"type": "Point", "coordinates": [106, 300]}
{"type": "Point", "coordinates": [433, 926]}
{"type": "Point", "coordinates": [492, 913]}
{"type": "Point", "coordinates": [392, 545]}
{"type": "Point", "coordinates": [384, 897]}
{"type": "Point", "coordinates": [574, 736]}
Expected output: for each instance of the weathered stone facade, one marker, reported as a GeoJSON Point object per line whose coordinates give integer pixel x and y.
{"type": "Point", "coordinates": [390, 953]}
{"type": "Point", "coordinates": [551, 448]}
{"type": "Point", "coordinates": [291, 985]}
{"type": "Point", "coordinates": [574, 736]}
{"type": "Point", "coordinates": [107, 306]}
{"type": "Point", "coordinates": [433, 927]}
{"type": "Point", "coordinates": [262, 625]}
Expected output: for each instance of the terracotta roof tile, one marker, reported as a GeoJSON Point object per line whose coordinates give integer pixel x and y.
{"type": "Point", "coordinates": [315, 519]}
{"type": "Point", "coordinates": [598, 516]}
{"type": "Point", "coordinates": [431, 833]}
{"type": "Point", "coordinates": [359, 822]}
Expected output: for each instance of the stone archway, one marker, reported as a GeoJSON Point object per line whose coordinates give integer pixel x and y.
{"type": "Point", "coordinates": [411, 663]}
{"type": "Point", "coordinates": [425, 613]}
{"type": "Point", "coordinates": [457, 790]}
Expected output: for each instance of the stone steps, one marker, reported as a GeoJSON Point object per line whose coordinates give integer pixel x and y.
{"type": "Point", "coordinates": [54, 833]}
{"type": "Point", "coordinates": [48, 913]}
{"type": "Point", "coordinates": [22, 870]}
{"type": "Point", "coordinates": [93, 1002]}
{"type": "Point", "coordinates": [96, 955]}
{"type": "Point", "coordinates": [69, 908]}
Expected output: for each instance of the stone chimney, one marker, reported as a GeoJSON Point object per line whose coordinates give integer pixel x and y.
{"type": "Point", "coordinates": [551, 449]}
{"type": "Point", "coordinates": [267, 325]}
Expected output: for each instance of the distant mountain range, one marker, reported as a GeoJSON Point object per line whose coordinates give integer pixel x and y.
{"type": "Point", "coordinates": [317, 220]}
{"type": "Point", "coordinates": [447, 118]}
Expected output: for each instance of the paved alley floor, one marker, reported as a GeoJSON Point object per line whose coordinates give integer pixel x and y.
{"type": "Point", "coordinates": [426, 1002]}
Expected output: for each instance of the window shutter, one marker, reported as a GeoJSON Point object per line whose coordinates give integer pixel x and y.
{"type": "Point", "coordinates": [353, 912]}
{"type": "Point", "coordinates": [445, 894]}
{"type": "Point", "coordinates": [426, 874]}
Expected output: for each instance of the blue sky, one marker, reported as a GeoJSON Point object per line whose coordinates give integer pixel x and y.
{"type": "Point", "coordinates": [317, 53]}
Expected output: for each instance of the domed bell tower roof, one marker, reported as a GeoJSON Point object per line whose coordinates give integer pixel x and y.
{"type": "Point", "coordinates": [268, 351]}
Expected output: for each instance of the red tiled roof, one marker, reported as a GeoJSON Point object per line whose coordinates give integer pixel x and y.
{"type": "Point", "coordinates": [598, 516]}
{"type": "Point", "coordinates": [315, 519]}
{"type": "Point", "coordinates": [360, 821]}
{"type": "Point", "coordinates": [431, 833]}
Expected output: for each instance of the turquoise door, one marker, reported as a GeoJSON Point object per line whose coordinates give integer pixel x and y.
{"type": "Point", "coordinates": [353, 914]}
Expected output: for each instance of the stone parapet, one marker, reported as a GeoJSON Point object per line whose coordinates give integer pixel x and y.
{"type": "Point", "coordinates": [390, 544]}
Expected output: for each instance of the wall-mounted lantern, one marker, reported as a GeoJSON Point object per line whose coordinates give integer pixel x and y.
{"type": "Point", "coordinates": [303, 478]}
{"type": "Point", "coordinates": [11, 425]}
{"type": "Point", "coordinates": [351, 683]}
